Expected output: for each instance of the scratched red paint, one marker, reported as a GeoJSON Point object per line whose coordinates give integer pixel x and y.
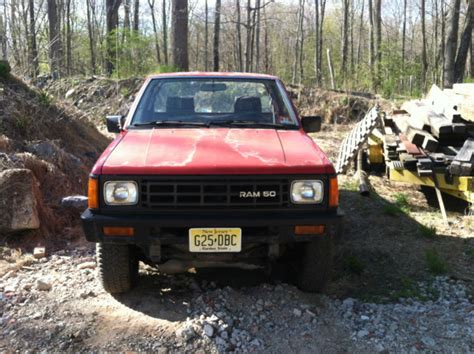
{"type": "Point", "coordinates": [204, 151]}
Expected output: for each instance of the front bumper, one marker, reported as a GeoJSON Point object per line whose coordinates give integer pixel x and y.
{"type": "Point", "coordinates": [171, 227]}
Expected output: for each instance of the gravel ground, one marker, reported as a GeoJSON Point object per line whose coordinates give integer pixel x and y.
{"type": "Point", "coordinates": [55, 303]}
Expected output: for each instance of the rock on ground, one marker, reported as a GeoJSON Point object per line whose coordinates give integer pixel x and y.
{"type": "Point", "coordinates": [18, 204]}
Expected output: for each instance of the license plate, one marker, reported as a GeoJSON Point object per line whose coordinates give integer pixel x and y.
{"type": "Point", "coordinates": [215, 240]}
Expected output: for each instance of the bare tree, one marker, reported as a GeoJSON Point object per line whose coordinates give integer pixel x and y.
{"type": "Point", "coordinates": [126, 16]}
{"type": "Point", "coordinates": [151, 3]}
{"type": "Point", "coordinates": [68, 38]}
{"type": "Point", "coordinates": [239, 35]}
{"type": "Point", "coordinates": [3, 39]}
{"type": "Point", "coordinates": [136, 16]}
{"type": "Point", "coordinates": [180, 34]}
{"type": "Point", "coordinates": [111, 10]}
{"type": "Point", "coordinates": [361, 33]}
{"type": "Point", "coordinates": [378, 43]}
{"type": "Point", "coordinates": [371, 39]}
{"type": "Point", "coordinates": [301, 58]}
{"type": "Point", "coordinates": [424, 62]}
{"type": "Point", "coordinates": [54, 39]}
{"type": "Point", "coordinates": [465, 42]}
{"type": "Point", "coordinates": [344, 37]}
{"type": "Point", "coordinates": [451, 45]}
{"type": "Point", "coordinates": [217, 29]}
{"type": "Point", "coordinates": [206, 37]}
{"type": "Point", "coordinates": [165, 32]}
{"type": "Point", "coordinates": [90, 30]}
{"type": "Point", "coordinates": [33, 49]}
{"type": "Point", "coordinates": [404, 30]}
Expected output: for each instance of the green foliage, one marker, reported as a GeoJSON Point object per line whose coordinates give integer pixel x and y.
{"type": "Point", "coordinates": [4, 69]}
{"type": "Point", "coordinates": [44, 99]}
{"type": "Point", "coordinates": [410, 289]}
{"type": "Point", "coordinates": [391, 210]}
{"type": "Point", "coordinates": [350, 185]}
{"type": "Point", "coordinates": [428, 231]}
{"type": "Point", "coordinates": [401, 201]}
{"type": "Point", "coordinates": [134, 54]}
{"type": "Point", "coordinates": [22, 123]}
{"type": "Point", "coordinates": [354, 265]}
{"type": "Point", "coordinates": [436, 265]}
{"type": "Point", "coordinates": [469, 253]}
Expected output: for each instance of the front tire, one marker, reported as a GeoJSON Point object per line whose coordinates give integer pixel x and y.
{"type": "Point", "coordinates": [315, 267]}
{"type": "Point", "coordinates": [118, 267]}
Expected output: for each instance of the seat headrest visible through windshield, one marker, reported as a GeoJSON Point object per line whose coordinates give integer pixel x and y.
{"type": "Point", "coordinates": [180, 104]}
{"type": "Point", "coordinates": [248, 104]}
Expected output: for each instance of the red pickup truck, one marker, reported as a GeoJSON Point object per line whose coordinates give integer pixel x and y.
{"type": "Point", "coordinates": [212, 170]}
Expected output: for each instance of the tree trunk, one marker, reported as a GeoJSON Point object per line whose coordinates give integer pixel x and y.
{"type": "Point", "coordinates": [378, 43]}
{"type": "Point", "coordinates": [111, 10]}
{"type": "Point", "coordinates": [321, 41]}
{"type": "Point", "coordinates": [404, 31]}
{"type": "Point", "coordinates": [151, 3]}
{"type": "Point", "coordinates": [33, 49]}
{"type": "Point", "coordinates": [371, 40]}
{"type": "Point", "coordinates": [136, 16]}
{"type": "Point", "coordinates": [239, 36]}
{"type": "Point", "coordinates": [317, 69]}
{"type": "Point", "coordinates": [451, 45]}
{"type": "Point", "coordinates": [345, 34]}
{"type": "Point", "coordinates": [361, 32]}
{"type": "Point", "coordinates": [217, 29]}
{"type": "Point", "coordinates": [165, 33]}
{"type": "Point", "coordinates": [257, 37]}
{"type": "Point", "coordinates": [424, 62]}
{"type": "Point", "coordinates": [68, 38]}
{"type": "Point", "coordinates": [3, 39]}
{"type": "Point", "coordinates": [54, 39]}
{"type": "Point", "coordinates": [466, 41]}
{"type": "Point", "coordinates": [206, 37]}
{"type": "Point", "coordinates": [248, 38]}
{"type": "Point", "coordinates": [90, 30]}
{"type": "Point", "coordinates": [302, 41]}
{"type": "Point", "coordinates": [126, 15]}
{"type": "Point", "coordinates": [180, 34]}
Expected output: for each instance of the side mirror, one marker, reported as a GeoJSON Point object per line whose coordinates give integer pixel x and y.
{"type": "Point", "coordinates": [114, 123]}
{"type": "Point", "coordinates": [311, 124]}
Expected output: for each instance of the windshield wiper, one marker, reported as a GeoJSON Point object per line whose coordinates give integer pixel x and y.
{"type": "Point", "coordinates": [172, 123]}
{"type": "Point", "coordinates": [248, 123]}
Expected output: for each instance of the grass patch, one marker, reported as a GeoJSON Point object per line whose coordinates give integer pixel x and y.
{"type": "Point", "coordinates": [427, 231]}
{"type": "Point", "coordinates": [436, 265]}
{"type": "Point", "coordinates": [469, 253]}
{"type": "Point", "coordinates": [354, 265]}
{"type": "Point", "coordinates": [351, 185]}
{"type": "Point", "coordinates": [391, 210]}
{"type": "Point", "coordinates": [401, 201]}
{"type": "Point", "coordinates": [44, 99]}
{"type": "Point", "coordinates": [410, 289]}
{"type": "Point", "coordinates": [4, 69]}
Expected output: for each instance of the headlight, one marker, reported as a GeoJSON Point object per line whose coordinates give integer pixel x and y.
{"type": "Point", "coordinates": [307, 192]}
{"type": "Point", "coordinates": [121, 193]}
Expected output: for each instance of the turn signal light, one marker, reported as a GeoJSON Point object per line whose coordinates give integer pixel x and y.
{"type": "Point", "coordinates": [333, 193]}
{"type": "Point", "coordinates": [309, 229]}
{"type": "Point", "coordinates": [118, 231]}
{"type": "Point", "coordinates": [93, 193]}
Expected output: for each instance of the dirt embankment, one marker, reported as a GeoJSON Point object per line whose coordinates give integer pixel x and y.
{"type": "Point", "coordinates": [336, 107]}
{"type": "Point", "coordinates": [96, 97]}
{"type": "Point", "coordinates": [50, 148]}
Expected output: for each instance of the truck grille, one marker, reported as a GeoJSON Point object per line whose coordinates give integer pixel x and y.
{"type": "Point", "coordinates": [215, 193]}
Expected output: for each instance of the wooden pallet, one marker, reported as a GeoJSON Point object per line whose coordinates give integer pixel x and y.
{"type": "Point", "coordinates": [354, 141]}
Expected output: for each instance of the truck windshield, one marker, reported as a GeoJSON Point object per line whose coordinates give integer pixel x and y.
{"type": "Point", "coordinates": [207, 102]}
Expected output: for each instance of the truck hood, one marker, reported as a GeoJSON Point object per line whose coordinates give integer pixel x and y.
{"type": "Point", "coordinates": [213, 151]}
